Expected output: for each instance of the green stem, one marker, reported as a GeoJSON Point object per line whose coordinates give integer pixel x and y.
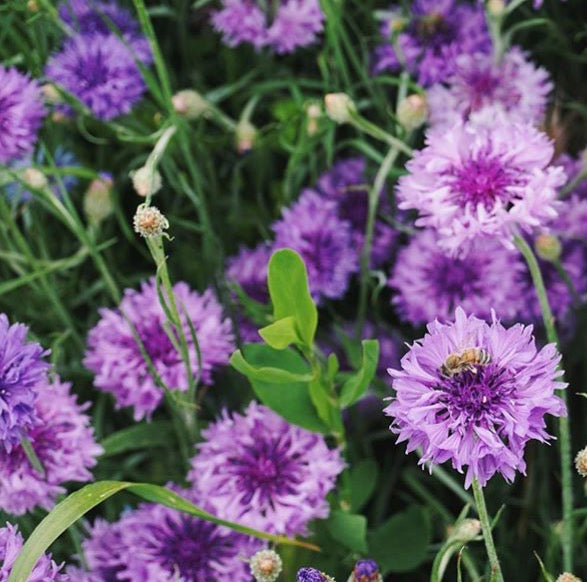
{"type": "Point", "coordinates": [496, 575]}
{"type": "Point", "coordinates": [564, 426]}
{"type": "Point", "coordinates": [375, 131]}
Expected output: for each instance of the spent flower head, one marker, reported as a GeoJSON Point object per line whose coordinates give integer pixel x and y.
{"type": "Point", "coordinates": [266, 565]}
{"type": "Point", "coordinates": [581, 462]}
{"type": "Point", "coordinates": [149, 222]}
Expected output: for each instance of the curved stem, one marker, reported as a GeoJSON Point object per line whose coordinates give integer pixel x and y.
{"type": "Point", "coordinates": [496, 574]}
{"type": "Point", "coordinates": [564, 426]}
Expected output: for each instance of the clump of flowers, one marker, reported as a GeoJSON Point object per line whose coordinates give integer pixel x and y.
{"type": "Point", "coordinates": [22, 369]}
{"type": "Point", "coordinates": [115, 357]}
{"type": "Point", "coordinates": [63, 441]}
{"type": "Point", "coordinates": [21, 114]}
{"type": "Point", "coordinates": [261, 471]}
{"type": "Point", "coordinates": [428, 40]}
{"type": "Point", "coordinates": [474, 393]}
{"type": "Point", "coordinates": [283, 26]}
{"type": "Point", "coordinates": [428, 284]}
{"type": "Point", "coordinates": [477, 181]}
{"type": "Point", "coordinates": [11, 542]}
{"type": "Point", "coordinates": [513, 86]}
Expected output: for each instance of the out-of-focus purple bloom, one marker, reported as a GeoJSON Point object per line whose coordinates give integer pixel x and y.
{"type": "Point", "coordinates": [312, 575]}
{"type": "Point", "coordinates": [513, 86]}
{"type": "Point", "coordinates": [284, 26]}
{"type": "Point", "coordinates": [100, 71]}
{"type": "Point", "coordinates": [21, 114]}
{"type": "Point", "coordinates": [346, 183]}
{"type": "Point", "coordinates": [45, 570]}
{"type": "Point", "coordinates": [430, 38]}
{"type": "Point", "coordinates": [366, 571]}
{"type": "Point", "coordinates": [476, 181]}
{"type": "Point", "coordinates": [64, 443]}
{"type": "Point", "coordinates": [313, 228]}
{"type": "Point", "coordinates": [474, 393]}
{"type": "Point", "coordinates": [261, 471]}
{"type": "Point", "coordinates": [116, 359]}
{"type": "Point", "coordinates": [428, 284]}
{"type": "Point", "coordinates": [22, 368]}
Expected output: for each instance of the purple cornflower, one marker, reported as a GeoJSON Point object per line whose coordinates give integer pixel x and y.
{"type": "Point", "coordinates": [366, 571]}
{"type": "Point", "coordinates": [313, 228]}
{"type": "Point", "coordinates": [284, 27]}
{"type": "Point", "coordinates": [22, 368]}
{"type": "Point", "coordinates": [346, 183]}
{"type": "Point", "coordinates": [100, 71]}
{"type": "Point", "coordinates": [21, 114]}
{"type": "Point", "coordinates": [514, 87]}
{"type": "Point", "coordinates": [265, 473]}
{"type": "Point", "coordinates": [428, 40]}
{"type": "Point", "coordinates": [428, 284]}
{"type": "Point", "coordinates": [312, 575]}
{"type": "Point", "coordinates": [98, 17]}
{"type": "Point", "coordinates": [475, 181]}
{"type": "Point", "coordinates": [45, 570]}
{"type": "Point", "coordinates": [115, 357]}
{"type": "Point", "coordinates": [474, 393]}
{"type": "Point", "coordinates": [63, 440]}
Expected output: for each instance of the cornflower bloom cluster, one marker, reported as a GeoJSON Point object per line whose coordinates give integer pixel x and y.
{"type": "Point", "coordinates": [261, 471]}
{"type": "Point", "coordinates": [474, 393]}
{"type": "Point", "coordinates": [115, 356]}
{"type": "Point", "coordinates": [284, 26]}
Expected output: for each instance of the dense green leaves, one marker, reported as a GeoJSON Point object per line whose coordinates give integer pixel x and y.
{"type": "Point", "coordinates": [358, 383]}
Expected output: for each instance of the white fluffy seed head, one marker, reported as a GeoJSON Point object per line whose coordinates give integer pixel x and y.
{"type": "Point", "coordinates": [266, 565]}
{"type": "Point", "coordinates": [149, 222]}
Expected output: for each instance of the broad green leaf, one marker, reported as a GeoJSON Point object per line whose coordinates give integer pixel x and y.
{"type": "Point", "coordinates": [77, 504]}
{"type": "Point", "coordinates": [288, 286]}
{"type": "Point", "coordinates": [358, 383]}
{"type": "Point", "coordinates": [280, 333]}
{"type": "Point", "coordinates": [265, 373]}
{"type": "Point", "coordinates": [290, 400]}
{"type": "Point", "coordinates": [363, 476]}
{"type": "Point", "coordinates": [401, 543]}
{"type": "Point", "coordinates": [349, 529]}
{"type": "Point", "coordinates": [139, 436]}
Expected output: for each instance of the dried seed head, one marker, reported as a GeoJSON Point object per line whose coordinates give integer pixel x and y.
{"type": "Point", "coordinates": [339, 107]}
{"type": "Point", "coordinates": [146, 181]}
{"type": "Point", "coordinates": [581, 462]}
{"type": "Point", "coordinates": [149, 222]}
{"type": "Point", "coordinates": [266, 566]}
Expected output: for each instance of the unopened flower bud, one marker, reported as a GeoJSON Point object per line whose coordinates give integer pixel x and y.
{"type": "Point", "coordinates": [146, 181]}
{"type": "Point", "coordinates": [581, 462]}
{"type": "Point", "coordinates": [51, 94]}
{"type": "Point", "coordinates": [190, 104]}
{"type": "Point", "coordinates": [149, 221]}
{"type": "Point", "coordinates": [312, 575]}
{"type": "Point", "coordinates": [314, 113]}
{"type": "Point", "coordinates": [466, 530]}
{"type": "Point", "coordinates": [495, 7]}
{"type": "Point", "coordinates": [98, 198]}
{"type": "Point", "coordinates": [366, 571]}
{"type": "Point", "coordinates": [396, 25]}
{"type": "Point", "coordinates": [266, 566]}
{"type": "Point", "coordinates": [246, 134]}
{"type": "Point", "coordinates": [548, 247]}
{"type": "Point", "coordinates": [568, 577]}
{"type": "Point", "coordinates": [339, 107]}
{"type": "Point", "coordinates": [412, 111]}
{"type": "Point", "coordinates": [34, 178]}
{"type": "Point", "coordinates": [32, 6]}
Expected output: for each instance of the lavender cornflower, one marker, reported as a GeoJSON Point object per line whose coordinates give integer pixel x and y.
{"type": "Point", "coordinates": [89, 17]}
{"type": "Point", "coordinates": [21, 114]}
{"type": "Point", "coordinates": [477, 181]}
{"type": "Point", "coordinates": [513, 86]}
{"type": "Point", "coordinates": [265, 473]}
{"type": "Point", "coordinates": [366, 571]}
{"type": "Point", "coordinates": [428, 41]}
{"type": "Point", "coordinates": [100, 71]}
{"type": "Point", "coordinates": [11, 542]}
{"type": "Point", "coordinates": [428, 284]}
{"type": "Point", "coordinates": [115, 357]}
{"type": "Point", "coordinates": [474, 393]}
{"type": "Point", "coordinates": [63, 441]}
{"type": "Point", "coordinates": [312, 575]}
{"type": "Point", "coordinates": [313, 229]}
{"type": "Point", "coordinates": [285, 27]}
{"type": "Point", "coordinates": [22, 368]}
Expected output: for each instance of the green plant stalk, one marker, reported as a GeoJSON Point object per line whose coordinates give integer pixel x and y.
{"type": "Point", "coordinates": [564, 426]}
{"type": "Point", "coordinates": [155, 156]}
{"type": "Point", "coordinates": [375, 131]}
{"type": "Point", "coordinates": [496, 574]}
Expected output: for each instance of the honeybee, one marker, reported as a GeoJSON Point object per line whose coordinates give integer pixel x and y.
{"type": "Point", "coordinates": [466, 360]}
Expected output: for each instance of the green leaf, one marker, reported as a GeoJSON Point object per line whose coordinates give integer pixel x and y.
{"type": "Point", "coordinates": [68, 511]}
{"type": "Point", "coordinates": [265, 373]}
{"type": "Point", "coordinates": [280, 333]}
{"type": "Point", "coordinates": [348, 529]}
{"type": "Point", "coordinates": [363, 476]}
{"type": "Point", "coordinates": [290, 400]}
{"type": "Point", "coordinates": [321, 401]}
{"type": "Point", "coordinates": [139, 436]}
{"type": "Point", "coordinates": [358, 383]}
{"type": "Point", "coordinates": [401, 543]}
{"type": "Point", "coordinates": [288, 286]}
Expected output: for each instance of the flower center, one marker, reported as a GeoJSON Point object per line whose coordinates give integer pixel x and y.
{"type": "Point", "coordinates": [433, 30]}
